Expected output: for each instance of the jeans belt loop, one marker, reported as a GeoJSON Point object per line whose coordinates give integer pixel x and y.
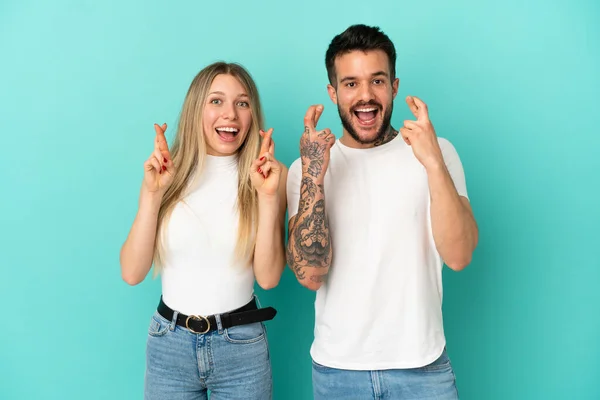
{"type": "Point", "coordinates": [173, 323]}
{"type": "Point", "coordinates": [219, 323]}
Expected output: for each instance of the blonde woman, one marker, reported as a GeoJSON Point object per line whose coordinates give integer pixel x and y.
{"type": "Point", "coordinates": [211, 220]}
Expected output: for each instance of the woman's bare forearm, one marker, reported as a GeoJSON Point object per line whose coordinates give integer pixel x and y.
{"type": "Point", "coordinates": [138, 250]}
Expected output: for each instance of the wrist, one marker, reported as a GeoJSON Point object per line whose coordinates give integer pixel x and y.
{"type": "Point", "coordinates": [151, 200]}
{"type": "Point", "coordinates": [268, 209]}
{"type": "Point", "coordinates": [436, 171]}
{"type": "Point", "coordinates": [268, 199]}
{"type": "Point", "coordinates": [435, 165]}
{"type": "Point", "coordinates": [319, 179]}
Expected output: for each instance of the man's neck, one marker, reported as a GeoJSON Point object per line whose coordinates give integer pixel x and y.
{"type": "Point", "coordinates": [390, 134]}
{"type": "Point", "coordinates": [349, 141]}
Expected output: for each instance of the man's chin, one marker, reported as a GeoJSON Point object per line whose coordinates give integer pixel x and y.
{"type": "Point", "coordinates": [367, 135]}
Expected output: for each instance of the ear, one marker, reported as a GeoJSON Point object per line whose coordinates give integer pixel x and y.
{"type": "Point", "coordinates": [332, 93]}
{"type": "Point", "coordinates": [395, 86]}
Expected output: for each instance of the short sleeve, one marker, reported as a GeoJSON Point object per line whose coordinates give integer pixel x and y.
{"type": "Point", "coordinates": [454, 166]}
{"type": "Point", "coordinates": [293, 187]}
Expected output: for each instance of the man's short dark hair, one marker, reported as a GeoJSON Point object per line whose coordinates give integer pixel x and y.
{"type": "Point", "coordinates": [363, 38]}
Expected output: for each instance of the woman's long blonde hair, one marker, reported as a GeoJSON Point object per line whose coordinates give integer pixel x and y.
{"type": "Point", "coordinates": [189, 150]}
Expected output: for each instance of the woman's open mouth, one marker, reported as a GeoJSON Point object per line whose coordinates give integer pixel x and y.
{"type": "Point", "coordinates": [227, 133]}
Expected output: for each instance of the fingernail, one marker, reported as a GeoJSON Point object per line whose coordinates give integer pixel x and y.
{"type": "Point", "coordinates": [160, 171]}
{"type": "Point", "coordinates": [262, 158]}
{"type": "Point", "coordinates": [165, 159]}
{"type": "Point", "coordinates": [164, 168]}
{"type": "Point", "coordinates": [259, 170]}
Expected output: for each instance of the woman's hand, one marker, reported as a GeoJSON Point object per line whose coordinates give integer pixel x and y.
{"type": "Point", "coordinates": [158, 168]}
{"type": "Point", "coordinates": [266, 170]}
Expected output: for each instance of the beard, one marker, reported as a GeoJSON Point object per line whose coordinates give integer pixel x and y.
{"type": "Point", "coordinates": [346, 119]}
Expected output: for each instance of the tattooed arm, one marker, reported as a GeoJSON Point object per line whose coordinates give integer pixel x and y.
{"type": "Point", "coordinates": [309, 244]}
{"type": "Point", "coordinates": [309, 249]}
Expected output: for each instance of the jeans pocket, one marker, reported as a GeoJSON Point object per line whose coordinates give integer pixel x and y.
{"type": "Point", "coordinates": [158, 325]}
{"type": "Point", "coordinates": [245, 334]}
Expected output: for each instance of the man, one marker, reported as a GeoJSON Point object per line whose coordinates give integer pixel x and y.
{"type": "Point", "coordinates": [373, 218]}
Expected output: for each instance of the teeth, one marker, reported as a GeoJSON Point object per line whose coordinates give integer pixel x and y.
{"type": "Point", "coordinates": [365, 109]}
{"type": "Point", "coordinates": [234, 130]}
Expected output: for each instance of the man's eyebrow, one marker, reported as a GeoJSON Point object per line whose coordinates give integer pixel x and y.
{"type": "Point", "coordinates": [373, 75]}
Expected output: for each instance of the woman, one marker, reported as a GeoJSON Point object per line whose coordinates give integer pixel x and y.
{"type": "Point", "coordinates": [211, 220]}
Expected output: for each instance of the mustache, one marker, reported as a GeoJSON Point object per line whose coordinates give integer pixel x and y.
{"type": "Point", "coordinates": [366, 103]}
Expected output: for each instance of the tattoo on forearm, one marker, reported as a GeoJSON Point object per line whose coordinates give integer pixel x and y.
{"type": "Point", "coordinates": [312, 154]}
{"type": "Point", "coordinates": [315, 167]}
{"type": "Point", "coordinates": [308, 191]}
{"type": "Point", "coordinates": [309, 244]}
{"type": "Point", "coordinates": [291, 260]}
{"type": "Point", "coordinates": [312, 237]}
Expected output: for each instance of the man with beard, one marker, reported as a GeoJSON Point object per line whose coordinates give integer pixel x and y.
{"type": "Point", "coordinates": [373, 217]}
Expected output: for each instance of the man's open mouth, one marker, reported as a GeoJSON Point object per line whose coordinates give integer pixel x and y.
{"type": "Point", "coordinates": [366, 114]}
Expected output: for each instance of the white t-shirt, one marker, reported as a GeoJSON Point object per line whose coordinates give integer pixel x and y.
{"type": "Point", "coordinates": [199, 275]}
{"type": "Point", "coordinates": [381, 305]}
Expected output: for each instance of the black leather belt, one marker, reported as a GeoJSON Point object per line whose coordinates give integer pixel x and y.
{"type": "Point", "coordinates": [247, 314]}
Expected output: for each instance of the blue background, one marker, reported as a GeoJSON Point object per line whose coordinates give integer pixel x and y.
{"type": "Point", "coordinates": [514, 85]}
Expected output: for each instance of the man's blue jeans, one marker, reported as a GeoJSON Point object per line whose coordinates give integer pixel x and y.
{"type": "Point", "coordinates": [433, 381]}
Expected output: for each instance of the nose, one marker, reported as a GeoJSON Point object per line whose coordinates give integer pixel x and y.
{"type": "Point", "coordinates": [366, 93]}
{"type": "Point", "coordinates": [229, 112]}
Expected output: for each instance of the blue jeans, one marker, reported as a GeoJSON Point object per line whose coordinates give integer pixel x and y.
{"type": "Point", "coordinates": [433, 381]}
{"type": "Point", "coordinates": [231, 363]}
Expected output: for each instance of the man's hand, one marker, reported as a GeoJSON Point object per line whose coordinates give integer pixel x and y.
{"type": "Point", "coordinates": [315, 145]}
{"type": "Point", "coordinates": [421, 136]}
